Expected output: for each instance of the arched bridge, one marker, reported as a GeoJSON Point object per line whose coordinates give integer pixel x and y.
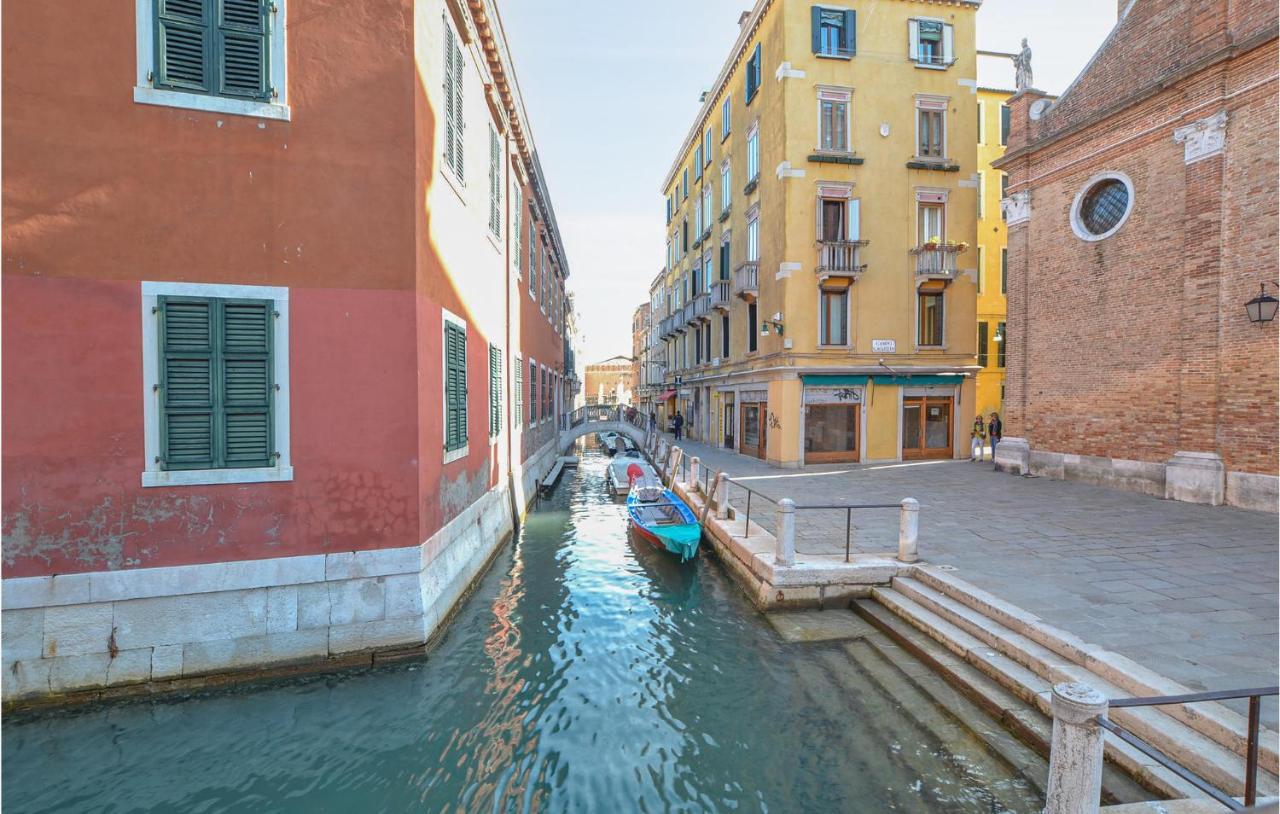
{"type": "Point", "coordinates": [603, 418]}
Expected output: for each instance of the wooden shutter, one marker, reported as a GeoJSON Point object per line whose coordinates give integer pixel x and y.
{"type": "Point", "coordinates": [187, 382]}
{"type": "Point", "coordinates": [533, 391]}
{"type": "Point", "coordinates": [450, 115]}
{"type": "Point", "coordinates": [495, 188]}
{"type": "Point", "coordinates": [241, 53]}
{"type": "Point", "coordinates": [459, 119]}
{"type": "Point", "coordinates": [851, 32]}
{"type": "Point", "coordinates": [913, 40]}
{"type": "Point", "coordinates": [184, 49]}
{"type": "Point", "coordinates": [855, 219]}
{"type": "Point", "coordinates": [495, 390]}
{"type": "Point", "coordinates": [947, 39]}
{"type": "Point", "coordinates": [518, 416]}
{"type": "Point", "coordinates": [246, 382]}
{"type": "Point", "coordinates": [455, 360]}
{"type": "Point", "coordinates": [815, 29]}
{"type": "Point", "coordinates": [982, 344]}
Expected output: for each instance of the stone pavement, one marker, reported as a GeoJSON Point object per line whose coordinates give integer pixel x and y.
{"type": "Point", "coordinates": [1187, 590]}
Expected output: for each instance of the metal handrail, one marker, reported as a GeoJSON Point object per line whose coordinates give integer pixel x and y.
{"type": "Point", "coordinates": [746, 526]}
{"type": "Point", "coordinates": [848, 517]}
{"type": "Point", "coordinates": [1255, 696]}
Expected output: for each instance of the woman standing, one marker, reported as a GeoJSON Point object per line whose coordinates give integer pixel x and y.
{"type": "Point", "coordinates": [996, 430]}
{"type": "Point", "coordinates": [978, 440]}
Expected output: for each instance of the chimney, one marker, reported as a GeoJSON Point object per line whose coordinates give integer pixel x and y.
{"type": "Point", "coordinates": [746, 15]}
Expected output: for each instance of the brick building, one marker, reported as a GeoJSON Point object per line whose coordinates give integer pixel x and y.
{"type": "Point", "coordinates": [610, 381]}
{"type": "Point", "coordinates": [1142, 214]}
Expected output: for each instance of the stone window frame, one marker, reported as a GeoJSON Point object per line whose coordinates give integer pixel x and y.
{"type": "Point", "coordinates": [1077, 226]}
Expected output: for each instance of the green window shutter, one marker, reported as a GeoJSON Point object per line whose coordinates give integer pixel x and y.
{"type": "Point", "coordinates": [982, 344]}
{"type": "Point", "coordinates": [247, 386]}
{"type": "Point", "coordinates": [450, 116]}
{"type": "Point", "coordinates": [455, 360]}
{"type": "Point", "coordinates": [1005, 122]}
{"type": "Point", "coordinates": [495, 390]}
{"type": "Point", "coordinates": [183, 46]}
{"type": "Point", "coordinates": [1004, 343]}
{"type": "Point", "coordinates": [533, 392]}
{"type": "Point", "coordinates": [241, 48]}
{"type": "Point", "coordinates": [459, 122]}
{"type": "Point", "coordinates": [815, 28]}
{"type": "Point", "coordinates": [518, 416]}
{"type": "Point", "coordinates": [851, 32]}
{"type": "Point", "coordinates": [187, 382]}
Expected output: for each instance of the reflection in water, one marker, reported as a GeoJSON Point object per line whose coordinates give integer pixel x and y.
{"type": "Point", "coordinates": [589, 672]}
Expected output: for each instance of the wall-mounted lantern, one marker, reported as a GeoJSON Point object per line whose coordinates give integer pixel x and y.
{"type": "Point", "coordinates": [776, 322]}
{"type": "Point", "coordinates": [1262, 308]}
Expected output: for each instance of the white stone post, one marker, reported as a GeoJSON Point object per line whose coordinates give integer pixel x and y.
{"type": "Point", "coordinates": [785, 533]}
{"type": "Point", "coordinates": [1075, 753]}
{"type": "Point", "coordinates": [909, 530]}
{"type": "Point", "coordinates": [695, 467]}
{"type": "Point", "coordinates": [722, 496]}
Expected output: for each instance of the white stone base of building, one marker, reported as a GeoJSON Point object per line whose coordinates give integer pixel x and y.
{"type": "Point", "coordinates": [89, 631]}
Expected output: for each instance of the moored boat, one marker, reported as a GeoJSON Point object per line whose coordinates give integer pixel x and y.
{"type": "Point", "coordinates": [661, 518]}
{"type": "Point", "coordinates": [625, 469]}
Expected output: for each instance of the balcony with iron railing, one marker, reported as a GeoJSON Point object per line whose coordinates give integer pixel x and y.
{"type": "Point", "coordinates": [680, 319]}
{"type": "Point", "coordinates": [746, 280]}
{"type": "Point", "coordinates": [841, 259]}
{"type": "Point", "coordinates": [937, 261]}
{"type": "Point", "coordinates": [720, 296]}
{"type": "Point", "coordinates": [700, 307]}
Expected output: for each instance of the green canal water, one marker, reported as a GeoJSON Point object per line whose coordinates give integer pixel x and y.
{"type": "Point", "coordinates": [586, 673]}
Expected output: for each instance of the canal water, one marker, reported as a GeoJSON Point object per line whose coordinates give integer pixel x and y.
{"type": "Point", "coordinates": [588, 672]}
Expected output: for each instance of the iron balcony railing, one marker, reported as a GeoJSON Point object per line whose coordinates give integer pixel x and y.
{"type": "Point", "coordinates": [840, 258]}
{"type": "Point", "coordinates": [746, 280]}
{"type": "Point", "coordinates": [936, 260]}
{"type": "Point", "coordinates": [720, 295]}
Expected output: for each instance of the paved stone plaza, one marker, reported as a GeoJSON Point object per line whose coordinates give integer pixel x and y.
{"type": "Point", "coordinates": [1187, 590]}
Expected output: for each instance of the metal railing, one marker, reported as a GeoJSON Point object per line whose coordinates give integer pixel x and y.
{"type": "Point", "coordinates": [1255, 696]}
{"type": "Point", "coordinates": [849, 509]}
{"type": "Point", "coordinates": [746, 279]}
{"type": "Point", "coordinates": [840, 258]}
{"type": "Point", "coordinates": [936, 260]}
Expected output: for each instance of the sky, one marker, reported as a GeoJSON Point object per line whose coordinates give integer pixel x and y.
{"type": "Point", "coordinates": [611, 88]}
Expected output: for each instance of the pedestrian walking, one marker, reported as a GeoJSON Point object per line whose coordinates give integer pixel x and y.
{"type": "Point", "coordinates": [978, 440]}
{"type": "Point", "coordinates": [679, 425]}
{"type": "Point", "coordinates": [653, 420]}
{"type": "Point", "coordinates": [995, 429]}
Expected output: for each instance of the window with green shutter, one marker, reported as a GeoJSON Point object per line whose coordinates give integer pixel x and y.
{"type": "Point", "coordinates": [518, 416]}
{"type": "Point", "coordinates": [495, 390]}
{"type": "Point", "coordinates": [216, 47]}
{"type": "Point", "coordinates": [983, 360]}
{"type": "Point", "coordinates": [533, 392]}
{"type": "Point", "coordinates": [495, 182]}
{"type": "Point", "coordinates": [753, 74]}
{"type": "Point", "coordinates": [454, 122]}
{"type": "Point", "coordinates": [1003, 334]}
{"type": "Point", "coordinates": [455, 386]}
{"type": "Point", "coordinates": [216, 383]}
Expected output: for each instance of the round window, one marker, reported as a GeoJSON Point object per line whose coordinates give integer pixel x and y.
{"type": "Point", "coordinates": [1102, 207]}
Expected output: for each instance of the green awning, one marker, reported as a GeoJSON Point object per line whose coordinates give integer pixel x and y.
{"type": "Point", "coordinates": [921, 380]}
{"type": "Point", "coordinates": [857, 380]}
{"type": "Point", "coordinates": [833, 380]}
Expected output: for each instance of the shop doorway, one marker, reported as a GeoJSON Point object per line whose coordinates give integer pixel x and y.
{"type": "Point", "coordinates": [831, 432]}
{"type": "Point", "coordinates": [729, 416]}
{"type": "Point", "coordinates": [753, 428]}
{"type": "Point", "coordinates": [926, 427]}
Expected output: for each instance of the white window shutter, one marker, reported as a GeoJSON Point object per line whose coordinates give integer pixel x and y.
{"type": "Point", "coordinates": [821, 207]}
{"type": "Point", "coordinates": [913, 39]}
{"type": "Point", "coordinates": [947, 55]}
{"type": "Point", "coordinates": [855, 219]}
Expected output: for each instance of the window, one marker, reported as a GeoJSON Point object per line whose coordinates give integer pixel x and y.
{"type": "Point", "coordinates": [724, 118]}
{"type": "Point", "coordinates": [752, 328]}
{"type": "Point", "coordinates": [533, 392]}
{"type": "Point", "coordinates": [931, 223]}
{"type": "Point", "coordinates": [454, 124]}
{"type": "Point", "coordinates": [534, 246]}
{"type": "Point", "coordinates": [697, 163]}
{"type": "Point", "coordinates": [930, 42]}
{"type": "Point", "coordinates": [706, 334]}
{"type": "Point", "coordinates": [218, 55]}
{"type": "Point", "coordinates": [495, 182]}
{"type": "Point", "coordinates": [833, 322]}
{"type": "Point", "coordinates": [833, 119]}
{"type": "Point", "coordinates": [684, 236]}
{"type": "Point", "coordinates": [1000, 346]}
{"type": "Point", "coordinates": [1004, 271]}
{"type": "Point", "coordinates": [982, 193]}
{"type": "Point", "coordinates": [517, 419]}
{"type": "Point", "coordinates": [753, 74]}
{"type": "Point", "coordinates": [929, 319]}
{"type": "Point", "coordinates": [455, 388]}
{"type": "Point", "coordinates": [833, 223]}
{"type": "Point", "coordinates": [724, 337]}
{"type": "Point", "coordinates": [1004, 186]}
{"type": "Point", "coordinates": [726, 188]}
{"type": "Point", "coordinates": [684, 183]}
{"type": "Point", "coordinates": [706, 270]}
{"type": "Point", "coordinates": [724, 260]}
{"type": "Point", "coordinates": [216, 381]}
{"type": "Point", "coordinates": [1004, 125]}
{"type": "Point", "coordinates": [697, 346]}
{"type": "Point", "coordinates": [706, 208]}
{"type": "Point", "coordinates": [930, 133]}
{"type": "Point", "coordinates": [495, 391]}
{"type": "Point", "coordinates": [1102, 206]}
{"type": "Point", "coordinates": [983, 359]}
{"type": "Point", "coordinates": [982, 122]}
{"type": "Point", "coordinates": [697, 221]}
{"type": "Point", "coordinates": [753, 236]}
{"type": "Point", "coordinates": [982, 268]}
{"type": "Point", "coordinates": [517, 224]}
{"type": "Point", "coordinates": [706, 147]}
{"type": "Point", "coordinates": [669, 210]}
{"type": "Point", "coordinates": [832, 32]}
{"type": "Point", "coordinates": [753, 154]}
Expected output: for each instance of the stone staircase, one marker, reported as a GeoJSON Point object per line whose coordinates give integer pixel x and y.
{"type": "Point", "coordinates": [990, 648]}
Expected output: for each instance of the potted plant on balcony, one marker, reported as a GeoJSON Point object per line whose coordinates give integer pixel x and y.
{"type": "Point", "coordinates": [932, 243]}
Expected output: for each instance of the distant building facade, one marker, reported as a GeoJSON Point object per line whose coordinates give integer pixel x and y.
{"type": "Point", "coordinates": [640, 327]}
{"type": "Point", "coordinates": [819, 293]}
{"type": "Point", "coordinates": [283, 332]}
{"type": "Point", "coordinates": [1142, 211]}
{"type": "Point", "coordinates": [609, 382]}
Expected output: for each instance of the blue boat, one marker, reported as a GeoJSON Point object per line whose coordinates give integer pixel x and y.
{"type": "Point", "coordinates": [662, 519]}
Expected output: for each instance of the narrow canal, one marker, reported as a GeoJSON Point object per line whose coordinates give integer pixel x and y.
{"type": "Point", "coordinates": [587, 673]}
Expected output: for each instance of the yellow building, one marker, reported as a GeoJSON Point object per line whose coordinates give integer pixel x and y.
{"type": "Point", "coordinates": [993, 131]}
{"type": "Point", "coordinates": [818, 300]}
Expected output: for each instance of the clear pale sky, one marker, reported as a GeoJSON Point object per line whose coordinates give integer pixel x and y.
{"type": "Point", "coordinates": [612, 87]}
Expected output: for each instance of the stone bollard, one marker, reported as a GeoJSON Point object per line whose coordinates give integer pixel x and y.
{"type": "Point", "coordinates": [722, 496]}
{"type": "Point", "coordinates": [909, 530]}
{"type": "Point", "coordinates": [695, 471]}
{"type": "Point", "coordinates": [785, 533]}
{"type": "Point", "coordinates": [1075, 753]}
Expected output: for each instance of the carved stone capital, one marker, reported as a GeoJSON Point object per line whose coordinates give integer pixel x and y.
{"type": "Point", "coordinates": [1203, 138]}
{"type": "Point", "coordinates": [1016, 208]}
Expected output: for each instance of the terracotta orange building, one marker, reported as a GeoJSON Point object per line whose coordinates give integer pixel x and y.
{"type": "Point", "coordinates": [283, 330]}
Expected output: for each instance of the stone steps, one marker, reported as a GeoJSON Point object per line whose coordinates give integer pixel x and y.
{"type": "Point", "coordinates": [1222, 725]}
{"type": "Point", "coordinates": [1189, 747]}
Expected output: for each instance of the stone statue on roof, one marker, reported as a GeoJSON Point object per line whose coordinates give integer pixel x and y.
{"type": "Point", "coordinates": [1022, 64]}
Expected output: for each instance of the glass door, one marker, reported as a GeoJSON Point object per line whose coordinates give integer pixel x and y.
{"type": "Point", "coordinates": [831, 433]}
{"type": "Point", "coordinates": [911, 428]}
{"type": "Point", "coordinates": [926, 427]}
{"type": "Point", "coordinates": [753, 430]}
